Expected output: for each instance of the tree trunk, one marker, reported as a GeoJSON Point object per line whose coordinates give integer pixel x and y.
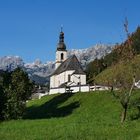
{"type": "Point", "coordinates": [124, 113]}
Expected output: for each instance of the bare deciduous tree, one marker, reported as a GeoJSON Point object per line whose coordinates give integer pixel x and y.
{"type": "Point", "coordinates": [125, 99]}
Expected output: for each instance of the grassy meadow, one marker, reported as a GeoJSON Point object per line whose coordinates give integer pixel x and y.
{"type": "Point", "coordinates": [80, 116]}
{"type": "Point", "coordinates": [123, 71]}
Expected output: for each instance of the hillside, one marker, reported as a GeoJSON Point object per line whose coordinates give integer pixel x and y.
{"type": "Point", "coordinates": [122, 72]}
{"type": "Point", "coordinates": [89, 116]}
{"type": "Point", "coordinates": [121, 64]}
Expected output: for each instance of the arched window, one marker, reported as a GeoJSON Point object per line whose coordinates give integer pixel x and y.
{"type": "Point", "coordinates": [69, 77]}
{"type": "Point", "coordinates": [62, 56]}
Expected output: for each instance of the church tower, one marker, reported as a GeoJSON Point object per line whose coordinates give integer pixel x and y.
{"type": "Point", "coordinates": [61, 52]}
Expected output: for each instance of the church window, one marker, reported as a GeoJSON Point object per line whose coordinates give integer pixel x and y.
{"type": "Point", "coordinates": [69, 78]}
{"type": "Point", "coordinates": [62, 56]}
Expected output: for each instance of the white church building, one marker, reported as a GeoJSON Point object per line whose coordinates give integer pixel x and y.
{"type": "Point", "coordinates": [68, 75]}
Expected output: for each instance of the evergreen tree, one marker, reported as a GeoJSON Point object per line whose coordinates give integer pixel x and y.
{"type": "Point", "coordinates": [2, 102]}
{"type": "Point", "coordinates": [15, 90]}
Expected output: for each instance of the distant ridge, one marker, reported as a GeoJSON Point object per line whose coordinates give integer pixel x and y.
{"type": "Point", "coordinates": [39, 72]}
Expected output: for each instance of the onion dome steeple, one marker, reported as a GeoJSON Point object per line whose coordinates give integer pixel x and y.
{"type": "Point", "coordinates": [61, 45]}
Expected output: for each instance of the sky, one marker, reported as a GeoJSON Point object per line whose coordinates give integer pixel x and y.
{"type": "Point", "coordinates": [30, 28]}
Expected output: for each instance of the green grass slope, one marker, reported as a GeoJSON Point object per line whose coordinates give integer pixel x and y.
{"type": "Point", "coordinates": [81, 116]}
{"type": "Point", "coordinates": [123, 72]}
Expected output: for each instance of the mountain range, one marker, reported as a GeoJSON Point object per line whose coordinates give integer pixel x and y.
{"type": "Point", "coordinates": [40, 72]}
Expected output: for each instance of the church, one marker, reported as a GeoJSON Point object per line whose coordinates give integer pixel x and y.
{"type": "Point", "coordinates": [68, 75]}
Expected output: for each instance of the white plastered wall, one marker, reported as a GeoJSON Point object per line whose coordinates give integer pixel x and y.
{"type": "Point", "coordinates": [58, 58]}
{"type": "Point", "coordinates": [78, 78]}
{"type": "Point", "coordinates": [57, 80]}
{"type": "Point", "coordinates": [74, 89]}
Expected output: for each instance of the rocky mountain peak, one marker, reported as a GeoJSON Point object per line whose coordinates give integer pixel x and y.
{"type": "Point", "coordinates": [39, 72]}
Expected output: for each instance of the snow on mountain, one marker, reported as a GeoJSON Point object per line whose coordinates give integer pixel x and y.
{"type": "Point", "coordinates": [90, 54]}
{"type": "Point", "coordinates": [10, 62]}
{"type": "Point", "coordinates": [40, 72]}
{"type": "Point", "coordinates": [87, 55]}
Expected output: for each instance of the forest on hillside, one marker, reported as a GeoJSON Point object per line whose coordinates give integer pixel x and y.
{"type": "Point", "coordinates": [122, 53]}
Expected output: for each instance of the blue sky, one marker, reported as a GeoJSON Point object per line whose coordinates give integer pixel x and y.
{"type": "Point", "coordinates": [30, 28]}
